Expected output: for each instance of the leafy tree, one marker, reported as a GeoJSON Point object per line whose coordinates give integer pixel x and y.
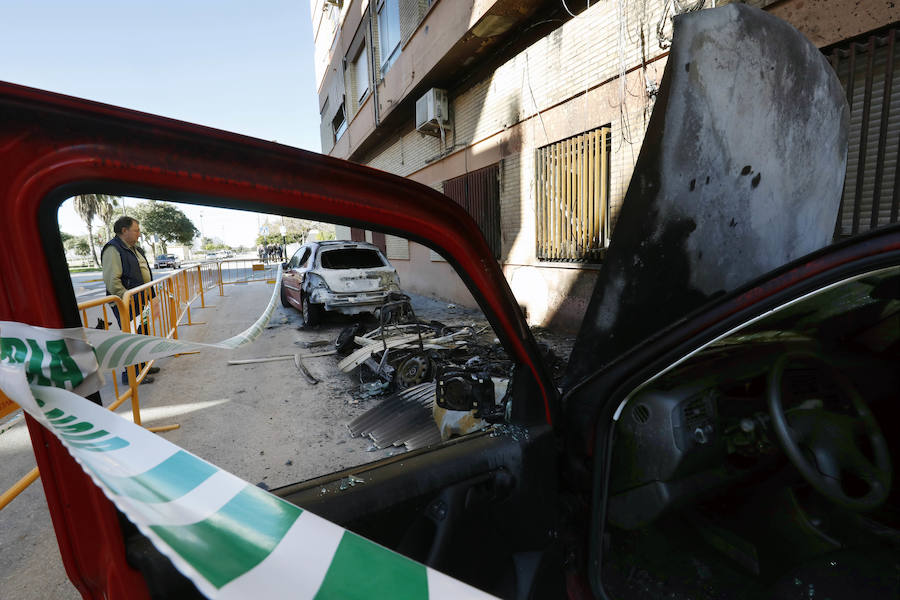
{"type": "Point", "coordinates": [210, 244]}
{"type": "Point", "coordinates": [78, 244]}
{"type": "Point", "coordinates": [165, 221]}
{"type": "Point", "coordinates": [296, 230]}
{"type": "Point", "coordinates": [81, 246]}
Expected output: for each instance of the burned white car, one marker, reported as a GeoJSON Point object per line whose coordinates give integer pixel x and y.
{"type": "Point", "coordinates": [340, 276]}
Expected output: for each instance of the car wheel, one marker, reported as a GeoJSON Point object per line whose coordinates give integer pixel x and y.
{"type": "Point", "coordinates": [312, 313]}
{"type": "Point", "coordinates": [284, 298]}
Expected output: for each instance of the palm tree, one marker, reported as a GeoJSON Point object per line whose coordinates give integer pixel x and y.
{"type": "Point", "coordinates": [89, 206]}
{"type": "Point", "coordinates": [108, 211]}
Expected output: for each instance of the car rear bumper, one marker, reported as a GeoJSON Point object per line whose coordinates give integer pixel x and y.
{"type": "Point", "coordinates": [349, 304]}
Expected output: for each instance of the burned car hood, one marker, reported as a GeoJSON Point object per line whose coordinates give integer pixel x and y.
{"type": "Point", "coordinates": [741, 171]}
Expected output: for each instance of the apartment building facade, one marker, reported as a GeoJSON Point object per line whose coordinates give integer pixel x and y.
{"type": "Point", "coordinates": [531, 113]}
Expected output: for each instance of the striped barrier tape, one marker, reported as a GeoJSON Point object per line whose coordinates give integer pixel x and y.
{"type": "Point", "coordinates": [230, 538]}
{"type": "Point", "coordinates": [74, 358]}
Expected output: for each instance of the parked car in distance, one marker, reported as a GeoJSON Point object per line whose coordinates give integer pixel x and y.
{"type": "Point", "coordinates": [165, 261]}
{"type": "Point", "coordinates": [340, 276]}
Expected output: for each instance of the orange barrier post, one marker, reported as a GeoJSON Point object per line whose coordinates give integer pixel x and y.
{"type": "Point", "coordinates": [18, 487]}
{"type": "Point", "coordinates": [200, 285]}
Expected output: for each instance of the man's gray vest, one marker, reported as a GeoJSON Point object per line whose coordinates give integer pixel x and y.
{"type": "Point", "coordinates": [131, 270]}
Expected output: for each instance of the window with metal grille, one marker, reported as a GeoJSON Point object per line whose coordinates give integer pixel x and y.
{"type": "Point", "coordinates": [479, 193]}
{"type": "Point", "coordinates": [572, 197]}
{"type": "Point", "coordinates": [871, 195]}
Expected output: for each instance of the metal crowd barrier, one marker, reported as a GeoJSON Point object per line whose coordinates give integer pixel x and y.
{"type": "Point", "coordinates": [155, 308]}
{"type": "Point", "coordinates": [244, 270]}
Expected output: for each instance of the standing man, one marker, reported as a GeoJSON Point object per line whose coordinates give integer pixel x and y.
{"type": "Point", "coordinates": [125, 267]}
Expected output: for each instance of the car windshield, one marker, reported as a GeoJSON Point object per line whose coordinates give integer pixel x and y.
{"type": "Point", "coordinates": [351, 258]}
{"type": "Point", "coordinates": [841, 312]}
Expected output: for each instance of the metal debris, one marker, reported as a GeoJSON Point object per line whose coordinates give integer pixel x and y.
{"type": "Point", "coordinates": [314, 344]}
{"type": "Point", "coordinates": [403, 419]}
{"type": "Point", "coordinates": [302, 368]}
{"type": "Point", "coordinates": [373, 388]}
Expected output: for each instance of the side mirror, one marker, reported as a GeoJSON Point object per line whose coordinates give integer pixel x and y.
{"type": "Point", "coordinates": [284, 265]}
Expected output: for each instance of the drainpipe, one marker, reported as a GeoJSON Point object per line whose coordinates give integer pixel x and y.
{"type": "Point", "coordinates": [372, 63]}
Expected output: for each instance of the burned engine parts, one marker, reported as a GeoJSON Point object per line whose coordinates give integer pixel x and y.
{"type": "Point", "coordinates": [459, 388]}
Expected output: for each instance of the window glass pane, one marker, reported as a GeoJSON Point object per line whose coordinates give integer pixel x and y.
{"type": "Point", "coordinates": [339, 122]}
{"type": "Point", "coordinates": [388, 31]}
{"type": "Point", "coordinates": [361, 74]}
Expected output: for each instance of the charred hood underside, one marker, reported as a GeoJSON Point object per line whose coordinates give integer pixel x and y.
{"type": "Point", "coordinates": [741, 172]}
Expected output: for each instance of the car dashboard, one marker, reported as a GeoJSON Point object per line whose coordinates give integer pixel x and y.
{"type": "Point", "coordinates": [705, 428]}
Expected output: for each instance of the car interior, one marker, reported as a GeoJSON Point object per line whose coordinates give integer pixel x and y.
{"type": "Point", "coordinates": [762, 465]}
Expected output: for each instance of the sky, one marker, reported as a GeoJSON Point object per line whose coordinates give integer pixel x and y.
{"type": "Point", "coordinates": [240, 66]}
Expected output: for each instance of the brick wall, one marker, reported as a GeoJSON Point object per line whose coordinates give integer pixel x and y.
{"type": "Point", "coordinates": [554, 72]}
{"type": "Point", "coordinates": [564, 84]}
{"type": "Point", "coordinates": [411, 13]}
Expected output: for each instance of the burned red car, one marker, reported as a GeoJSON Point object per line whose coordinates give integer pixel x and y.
{"type": "Point", "coordinates": [727, 426]}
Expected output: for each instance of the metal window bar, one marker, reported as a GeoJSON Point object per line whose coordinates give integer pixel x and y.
{"type": "Point", "coordinates": [478, 193]}
{"type": "Point", "coordinates": [871, 195]}
{"type": "Point", "coordinates": [572, 194]}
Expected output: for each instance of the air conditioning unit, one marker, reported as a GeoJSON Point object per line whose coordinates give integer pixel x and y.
{"type": "Point", "coordinates": [432, 112]}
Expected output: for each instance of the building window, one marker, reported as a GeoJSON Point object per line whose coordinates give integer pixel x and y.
{"type": "Point", "coordinates": [572, 197]}
{"type": "Point", "coordinates": [359, 76]}
{"type": "Point", "coordinates": [479, 193]}
{"type": "Point", "coordinates": [388, 32]}
{"type": "Point", "coordinates": [871, 195]}
{"type": "Point", "coordinates": [339, 122]}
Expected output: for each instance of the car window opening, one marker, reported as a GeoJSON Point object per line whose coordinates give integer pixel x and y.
{"type": "Point", "coordinates": [351, 258]}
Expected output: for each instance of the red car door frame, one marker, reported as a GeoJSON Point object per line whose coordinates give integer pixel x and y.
{"type": "Point", "coordinates": [53, 147]}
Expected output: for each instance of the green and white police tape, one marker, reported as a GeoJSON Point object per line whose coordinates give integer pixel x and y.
{"type": "Point", "coordinates": [232, 539]}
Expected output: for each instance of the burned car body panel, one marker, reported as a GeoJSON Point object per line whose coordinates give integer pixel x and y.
{"type": "Point", "coordinates": [741, 172]}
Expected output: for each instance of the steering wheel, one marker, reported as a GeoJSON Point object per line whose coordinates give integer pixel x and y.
{"type": "Point", "coordinates": [843, 456]}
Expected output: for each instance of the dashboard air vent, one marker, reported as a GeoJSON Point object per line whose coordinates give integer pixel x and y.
{"type": "Point", "coordinates": [696, 412]}
{"type": "Point", "coordinates": [641, 413]}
